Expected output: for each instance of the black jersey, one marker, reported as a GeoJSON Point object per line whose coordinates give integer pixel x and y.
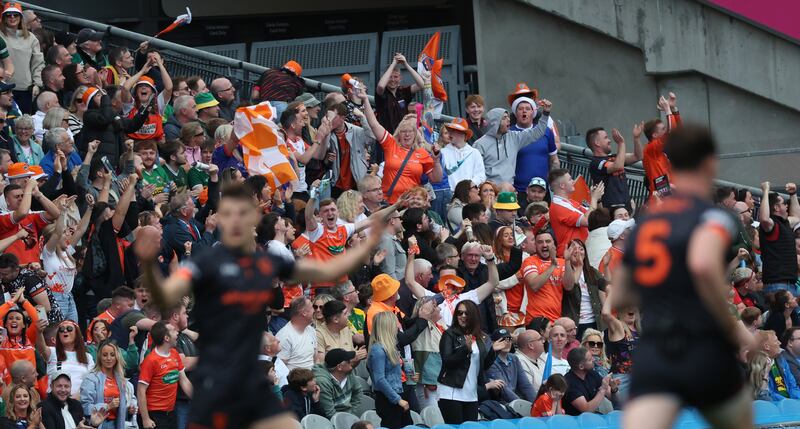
{"type": "Point", "coordinates": [232, 292]}
{"type": "Point", "coordinates": [656, 257]}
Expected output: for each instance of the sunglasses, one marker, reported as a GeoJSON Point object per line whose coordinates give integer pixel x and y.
{"type": "Point", "coordinates": [68, 328]}
{"type": "Point", "coordinates": [474, 187]}
{"type": "Point", "coordinates": [317, 307]}
{"type": "Point", "coordinates": [595, 344]}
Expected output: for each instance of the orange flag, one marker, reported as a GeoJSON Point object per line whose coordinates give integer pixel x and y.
{"type": "Point", "coordinates": [263, 149]}
{"type": "Point", "coordinates": [429, 60]}
{"type": "Point", "coordinates": [581, 194]}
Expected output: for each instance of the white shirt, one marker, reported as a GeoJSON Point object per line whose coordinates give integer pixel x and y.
{"type": "Point", "coordinates": [446, 309]}
{"type": "Point", "coordinates": [586, 312]}
{"type": "Point", "coordinates": [463, 164]}
{"type": "Point", "coordinates": [60, 271]}
{"type": "Point", "coordinates": [281, 370]}
{"type": "Point", "coordinates": [297, 347]}
{"type": "Point", "coordinates": [298, 146]}
{"type": "Point", "coordinates": [71, 366]}
{"type": "Point", "coordinates": [280, 250]}
{"type": "Point", "coordinates": [597, 244]}
{"type": "Point", "coordinates": [69, 422]}
{"type": "Point", "coordinates": [468, 393]}
{"type": "Point", "coordinates": [533, 369]}
{"type": "Point", "coordinates": [559, 366]}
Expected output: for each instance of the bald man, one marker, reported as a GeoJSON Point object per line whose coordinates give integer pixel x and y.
{"type": "Point", "coordinates": [572, 333]}
{"type": "Point", "coordinates": [24, 372]}
{"type": "Point", "coordinates": [225, 93]}
{"type": "Point", "coordinates": [530, 352]}
{"type": "Point", "coordinates": [44, 102]}
{"type": "Point", "coordinates": [270, 347]}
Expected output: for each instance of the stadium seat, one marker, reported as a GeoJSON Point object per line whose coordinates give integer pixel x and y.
{"type": "Point", "coordinates": [471, 425]}
{"type": "Point", "coordinates": [502, 424]}
{"type": "Point", "coordinates": [614, 419]}
{"type": "Point", "coordinates": [562, 422]}
{"type": "Point", "coordinates": [766, 412]}
{"type": "Point", "coordinates": [432, 416]}
{"type": "Point", "coordinates": [361, 370]}
{"type": "Point", "coordinates": [533, 423]}
{"type": "Point", "coordinates": [313, 421]}
{"type": "Point", "coordinates": [367, 403]}
{"type": "Point", "coordinates": [790, 408]}
{"type": "Point", "coordinates": [366, 389]}
{"type": "Point", "coordinates": [443, 426]}
{"type": "Point", "coordinates": [343, 420]}
{"type": "Point", "coordinates": [372, 417]}
{"type": "Point", "coordinates": [592, 420]}
{"type": "Point", "coordinates": [521, 406]}
{"type": "Point", "coordinates": [416, 418]}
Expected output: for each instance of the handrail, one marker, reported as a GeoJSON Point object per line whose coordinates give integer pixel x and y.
{"type": "Point", "coordinates": [311, 84]}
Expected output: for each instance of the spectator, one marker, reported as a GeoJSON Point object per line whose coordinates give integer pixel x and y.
{"type": "Point", "coordinates": [292, 122]}
{"type": "Point", "coordinates": [22, 333]}
{"type": "Point", "coordinates": [538, 158]}
{"type": "Point", "coordinates": [622, 339]}
{"type": "Point", "coordinates": [339, 389]}
{"type": "Point", "coordinates": [106, 386]}
{"type": "Point", "coordinates": [531, 356]}
{"type": "Point", "coordinates": [59, 410]}
{"type": "Point", "coordinates": [69, 355]}
{"type": "Point", "coordinates": [362, 424]}
{"type": "Point", "coordinates": [546, 276]}
{"type": "Point", "coordinates": [271, 346]}
{"type": "Point", "coordinates": [318, 304]}
{"type": "Point", "coordinates": [725, 197]}
{"type": "Point", "coordinates": [33, 21]}
{"type": "Point", "coordinates": [583, 303]}
{"type": "Point", "coordinates": [102, 121]}
{"type": "Point", "coordinates": [465, 192]}
{"type": "Point", "coordinates": [386, 367]}
{"type": "Point", "coordinates": [53, 81]}
{"type": "Point", "coordinates": [90, 49]}
{"type": "Point", "coordinates": [488, 192]}
{"type": "Point", "coordinates": [185, 109]}
{"type": "Point", "coordinates": [499, 148]}
{"type": "Point", "coordinates": [791, 350]}
{"type": "Point", "coordinates": [229, 153]}
{"type": "Point", "coordinates": [568, 218]}
{"type": "Point", "coordinates": [26, 148]}
{"type": "Point", "coordinates": [58, 55]}
{"type": "Point", "coordinates": [122, 299]}
{"type": "Point", "coordinates": [302, 394]}
{"type": "Point", "coordinates": [27, 58]}
{"type": "Point", "coordinates": [279, 86]}
{"type": "Point", "coordinates": [505, 209]}
{"type": "Point", "coordinates": [60, 145]}
{"type": "Point", "coordinates": [22, 408]}
{"type": "Point", "coordinates": [352, 103]}
{"type": "Point", "coordinates": [15, 276]}
{"type": "Point", "coordinates": [477, 123]}
{"type": "Point", "coordinates": [557, 341]}
{"type": "Point", "coordinates": [656, 165]}
{"type": "Point", "coordinates": [586, 391]}
{"type": "Point", "coordinates": [618, 232]}
{"type": "Point", "coordinates": [572, 332]}
{"type": "Point", "coordinates": [192, 136]}
{"type": "Point", "coordinates": [417, 224]}
{"type": "Point", "coordinates": [549, 403]}
{"type": "Point", "coordinates": [782, 313]}
{"type": "Point", "coordinates": [152, 172]}
{"type": "Point", "coordinates": [466, 355]}
{"type": "Point", "coordinates": [298, 337]}
{"type": "Point", "coordinates": [357, 319]}
{"type": "Point", "coordinates": [780, 380]}
{"type": "Point", "coordinates": [751, 317]}
{"type": "Point", "coordinates": [350, 145]}
{"type": "Point", "coordinates": [427, 360]}
{"type": "Point", "coordinates": [182, 224]}
{"type": "Point", "coordinates": [175, 165]}
{"type": "Point", "coordinates": [100, 330]}
{"type": "Point", "coordinates": [59, 264]}
{"type": "Point", "coordinates": [75, 76]}
{"type": "Point", "coordinates": [120, 60]}
{"type": "Point", "coordinates": [196, 85]}
{"type": "Point", "coordinates": [223, 91]}
{"type": "Point", "coordinates": [536, 190]}
{"type": "Point", "coordinates": [335, 332]}
{"type": "Point", "coordinates": [507, 368]}
{"type": "Point", "coordinates": [402, 171]}
{"type": "Point", "coordinates": [77, 107]}
{"type": "Point", "coordinates": [391, 99]}
{"type": "Point", "coordinates": [157, 389]}
{"type": "Point", "coordinates": [778, 251]}
{"type": "Point", "coordinates": [610, 169]}
{"type": "Point", "coordinates": [395, 261]}
{"type": "Point", "coordinates": [460, 160]}
{"type": "Point", "coordinates": [598, 243]}
{"type": "Point", "coordinates": [147, 100]}
{"type": "Point", "coordinates": [207, 106]}
{"type": "Point", "coordinates": [592, 340]}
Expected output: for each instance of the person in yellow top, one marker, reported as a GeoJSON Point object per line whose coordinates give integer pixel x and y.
{"type": "Point", "coordinates": [357, 320]}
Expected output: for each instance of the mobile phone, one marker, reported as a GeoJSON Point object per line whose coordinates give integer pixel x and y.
{"type": "Point", "coordinates": [41, 312]}
{"type": "Point", "coordinates": [330, 115]}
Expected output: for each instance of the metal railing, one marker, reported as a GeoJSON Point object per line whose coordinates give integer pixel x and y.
{"type": "Point", "coordinates": [186, 61]}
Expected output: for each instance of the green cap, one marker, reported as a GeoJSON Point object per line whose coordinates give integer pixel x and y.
{"type": "Point", "coordinates": [205, 100]}
{"type": "Point", "coordinates": [506, 201]}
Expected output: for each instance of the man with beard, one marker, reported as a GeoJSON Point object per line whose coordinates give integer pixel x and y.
{"type": "Point", "coordinates": [547, 277]}
{"type": "Point", "coordinates": [610, 169]}
{"type": "Point", "coordinates": [175, 154]}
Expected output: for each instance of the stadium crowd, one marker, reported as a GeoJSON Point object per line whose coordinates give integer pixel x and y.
{"type": "Point", "coordinates": [490, 284]}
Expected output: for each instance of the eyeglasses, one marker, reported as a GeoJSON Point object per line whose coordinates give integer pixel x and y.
{"type": "Point", "coordinates": [68, 328]}
{"type": "Point", "coordinates": [451, 256]}
{"type": "Point", "coordinates": [374, 190]}
{"type": "Point", "coordinates": [317, 307]}
{"type": "Point", "coordinates": [13, 15]}
{"type": "Point", "coordinates": [77, 72]}
{"type": "Point", "coordinates": [595, 344]}
{"type": "Point", "coordinates": [352, 291]}
{"type": "Point", "coordinates": [226, 90]}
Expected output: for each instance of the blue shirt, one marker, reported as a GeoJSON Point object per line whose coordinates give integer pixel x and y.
{"type": "Point", "coordinates": [73, 160]}
{"type": "Point", "coordinates": [223, 161]}
{"type": "Point", "coordinates": [534, 160]}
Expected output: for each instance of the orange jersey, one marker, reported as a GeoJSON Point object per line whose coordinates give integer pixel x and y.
{"type": "Point", "coordinates": [325, 244]}
{"type": "Point", "coordinates": [161, 375]}
{"type": "Point", "coordinates": [657, 167]}
{"type": "Point", "coordinates": [610, 261]}
{"type": "Point", "coordinates": [543, 407]}
{"type": "Point", "coordinates": [418, 164]}
{"type": "Point", "coordinates": [546, 301]}
{"type": "Point", "coordinates": [34, 222]}
{"type": "Point", "coordinates": [565, 219]}
{"type": "Point", "coordinates": [16, 348]}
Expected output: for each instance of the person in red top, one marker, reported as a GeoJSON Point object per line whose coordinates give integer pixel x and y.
{"type": "Point", "coordinates": [656, 164]}
{"type": "Point", "coordinates": [19, 203]}
{"type": "Point", "coordinates": [22, 334]}
{"type": "Point", "coordinates": [549, 403]}
{"type": "Point", "coordinates": [546, 277]}
{"type": "Point", "coordinates": [160, 373]}
{"type": "Point", "coordinates": [569, 218]}
{"type": "Point", "coordinates": [399, 149]}
{"type": "Point", "coordinates": [618, 232]}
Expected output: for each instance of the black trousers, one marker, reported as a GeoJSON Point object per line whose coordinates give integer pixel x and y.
{"type": "Point", "coordinates": [392, 415]}
{"type": "Point", "coordinates": [457, 412]}
{"type": "Point", "coordinates": [162, 419]}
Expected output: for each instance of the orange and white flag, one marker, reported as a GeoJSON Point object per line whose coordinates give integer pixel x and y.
{"type": "Point", "coordinates": [263, 148]}
{"type": "Point", "coordinates": [429, 60]}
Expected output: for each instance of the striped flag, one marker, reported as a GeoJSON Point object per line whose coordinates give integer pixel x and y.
{"type": "Point", "coordinates": [263, 148]}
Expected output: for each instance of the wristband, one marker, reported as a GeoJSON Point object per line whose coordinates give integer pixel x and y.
{"type": "Point", "coordinates": [491, 260]}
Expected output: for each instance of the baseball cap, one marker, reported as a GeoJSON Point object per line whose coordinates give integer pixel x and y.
{"type": "Point", "coordinates": [5, 86]}
{"type": "Point", "coordinates": [332, 308]}
{"type": "Point", "coordinates": [65, 38]}
{"type": "Point", "coordinates": [58, 375]}
{"type": "Point", "coordinates": [741, 274]}
{"type": "Point", "coordinates": [337, 356]}
{"type": "Point", "coordinates": [308, 100]}
{"type": "Point", "coordinates": [618, 226]}
{"type": "Point", "coordinates": [538, 181]}
{"type": "Point", "coordinates": [87, 34]}
{"type": "Point", "coordinates": [294, 67]}
{"type": "Point", "coordinates": [500, 333]}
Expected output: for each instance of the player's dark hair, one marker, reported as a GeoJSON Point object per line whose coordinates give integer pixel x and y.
{"type": "Point", "coordinates": [689, 146]}
{"type": "Point", "coordinates": [591, 134]}
{"type": "Point", "coordinates": [576, 357]}
{"type": "Point", "coordinates": [555, 382]}
{"type": "Point", "coordinates": [159, 332]}
{"type": "Point", "coordinates": [9, 260]}
{"type": "Point", "coordinates": [122, 292]}
{"type": "Point", "coordinates": [788, 335]}
{"type": "Point", "coordinates": [650, 128]}
{"type": "Point", "coordinates": [721, 193]}
{"type": "Point", "coordinates": [237, 191]}
{"type": "Point", "coordinates": [472, 211]}
{"type": "Point", "coordinates": [779, 301]}
{"type": "Point", "coordinates": [299, 378]}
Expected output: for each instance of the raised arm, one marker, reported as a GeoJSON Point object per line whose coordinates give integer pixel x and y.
{"type": "Point", "coordinates": [419, 82]}
{"type": "Point", "coordinates": [616, 329]}
{"type": "Point", "coordinates": [130, 83]}
{"type": "Point", "coordinates": [61, 224]}
{"type": "Point", "coordinates": [51, 211]}
{"type": "Point", "coordinates": [25, 205]}
{"type": "Point", "coordinates": [124, 203]}
{"type": "Point", "coordinates": [165, 79]}
{"type": "Point", "coordinates": [382, 215]}
{"type": "Point", "coordinates": [568, 280]}
{"type": "Point", "coordinates": [638, 152]}
{"type": "Point", "coordinates": [377, 129]}
{"type": "Point", "coordinates": [763, 210]}
{"type": "Point", "coordinates": [619, 161]}
{"type": "Point", "coordinates": [794, 206]}
{"type": "Point", "coordinates": [309, 270]}
{"type": "Point", "coordinates": [416, 289]}
{"type": "Point", "coordinates": [166, 292]}
{"type": "Point", "coordinates": [486, 289]}
{"type": "Point", "coordinates": [308, 212]}
{"type": "Point", "coordinates": [385, 77]}
{"type": "Point", "coordinates": [8, 241]}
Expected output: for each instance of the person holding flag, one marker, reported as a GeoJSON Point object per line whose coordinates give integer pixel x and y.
{"type": "Point", "coordinates": [391, 99]}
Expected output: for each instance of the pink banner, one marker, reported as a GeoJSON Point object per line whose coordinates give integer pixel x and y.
{"type": "Point", "coordinates": [781, 16]}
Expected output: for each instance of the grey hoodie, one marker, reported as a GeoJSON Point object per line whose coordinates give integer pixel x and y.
{"type": "Point", "coordinates": [500, 151]}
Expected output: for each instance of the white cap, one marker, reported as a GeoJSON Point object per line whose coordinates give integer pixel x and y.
{"type": "Point", "coordinates": [618, 226]}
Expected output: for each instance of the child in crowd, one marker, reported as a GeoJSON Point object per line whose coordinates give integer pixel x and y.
{"type": "Point", "coordinates": [550, 394]}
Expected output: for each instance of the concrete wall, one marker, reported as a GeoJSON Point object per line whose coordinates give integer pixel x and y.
{"type": "Point", "coordinates": [598, 73]}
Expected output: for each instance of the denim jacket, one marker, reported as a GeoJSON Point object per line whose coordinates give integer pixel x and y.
{"type": "Point", "coordinates": [386, 377]}
{"type": "Point", "coordinates": [92, 396]}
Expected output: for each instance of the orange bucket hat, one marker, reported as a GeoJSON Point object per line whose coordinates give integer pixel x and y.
{"type": "Point", "coordinates": [384, 287]}
{"type": "Point", "coordinates": [522, 90]}
{"type": "Point", "coordinates": [460, 124]}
